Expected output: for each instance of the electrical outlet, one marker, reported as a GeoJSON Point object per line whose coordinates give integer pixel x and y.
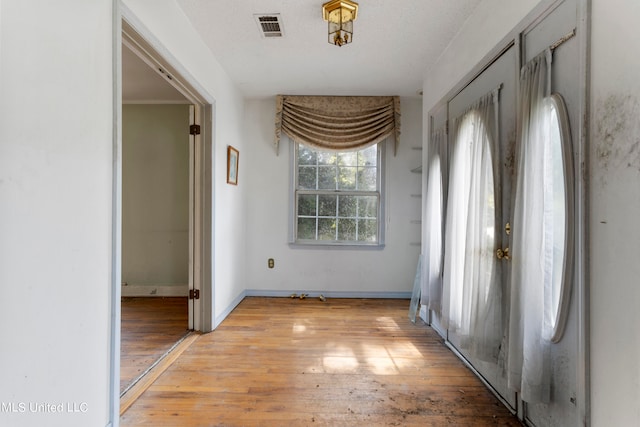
{"type": "Point", "coordinates": [271, 263]}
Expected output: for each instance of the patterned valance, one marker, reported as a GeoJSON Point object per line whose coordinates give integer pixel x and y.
{"type": "Point", "coordinates": [338, 122]}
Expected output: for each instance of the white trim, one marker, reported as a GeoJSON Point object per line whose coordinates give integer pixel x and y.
{"type": "Point", "coordinates": [229, 309]}
{"type": "Point", "coordinates": [330, 294]}
{"type": "Point", "coordinates": [158, 290]}
{"type": "Point", "coordinates": [193, 236]}
{"type": "Point", "coordinates": [147, 102]}
{"type": "Point", "coordinates": [116, 220]}
{"type": "Point", "coordinates": [581, 200]}
{"type": "Point", "coordinates": [309, 294]}
{"type": "Point", "coordinates": [196, 94]}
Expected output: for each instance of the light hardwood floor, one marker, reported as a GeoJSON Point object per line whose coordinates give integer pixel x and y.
{"type": "Point", "coordinates": [343, 362]}
{"type": "Point", "coordinates": [149, 328]}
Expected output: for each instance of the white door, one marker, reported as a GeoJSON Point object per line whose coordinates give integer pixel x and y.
{"type": "Point", "coordinates": [482, 184]}
{"type": "Point", "coordinates": [470, 278]}
{"type": "Point", "coordinates": [565, 361]}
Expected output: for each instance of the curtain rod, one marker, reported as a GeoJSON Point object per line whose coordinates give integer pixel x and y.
{"type": "Point", "coordinates": [563, 39]}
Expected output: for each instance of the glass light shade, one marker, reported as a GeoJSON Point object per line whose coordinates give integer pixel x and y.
{"type": "Point", "coordinates": [340, 15]}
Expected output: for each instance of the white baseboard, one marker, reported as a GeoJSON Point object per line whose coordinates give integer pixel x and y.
{"type": "Point", "coordinates": [311, 294]}
{"type": "Point", "coordinates": [328, 294]}
{"type": "Point", "coordinates": [220, 318]}
{"type": "Point", "coordinates": [155, 290]}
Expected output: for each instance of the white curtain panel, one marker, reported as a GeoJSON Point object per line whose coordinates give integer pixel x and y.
{"type": "Point", "coordinates": [432, 265]}
{"type": "Point", "coordinates": [472, 297]}
{"type": "Point", "coordinates": [530, 317]}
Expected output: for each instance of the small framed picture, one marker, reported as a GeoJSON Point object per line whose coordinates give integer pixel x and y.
{"type": "Point", "coordinates": [232, 165]}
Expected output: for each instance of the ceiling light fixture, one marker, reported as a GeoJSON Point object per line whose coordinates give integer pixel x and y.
{"type": "Point", "coordinates": [340, 15]}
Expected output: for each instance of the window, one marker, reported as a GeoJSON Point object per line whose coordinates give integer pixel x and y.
{"type": "Point", "coordinates": [337, 196]}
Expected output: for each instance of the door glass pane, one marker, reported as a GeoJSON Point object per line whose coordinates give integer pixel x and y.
{"type": "Point", "coordinates": [557, 198]}
{"type": "Point", "coordinates": [557, 201]}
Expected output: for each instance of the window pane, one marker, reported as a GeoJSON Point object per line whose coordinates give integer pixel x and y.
{"type": "Point", "coordinates": [326, 178]}
{"type": "Point", "coordinates": [307, 177]}
{"type": "Point", "coordinates": [367, 207]}
{"type": "Point", "coordinates": [347, 206]}
{"type": "Point", "coordinates": [346, 229]}
{"type": "Point", "coordinates": [335, 216]}
{"type": "Point", "coordinates": [348, 159]}
{"type": "Point", "coordinates": [306, 156]}
{"type": "Point", "coordinates": [307, 205]}
{"type": "Point", "coordinates": [368, 156]}
{"type": "Point", "coordinates": [367, 179]}
{"type": "Point", "coordinates": [307, 228]}
{"type": "Point", "coordinates": [347, 178]}
{"type": "Point", "coordinates": [326, 158]}
{"type": "Point", "coordinates": [327, 206]}
{"type": "Point", "coordinates": [326, 229]}
{"type": "Point", "coordinates": [367, 230]}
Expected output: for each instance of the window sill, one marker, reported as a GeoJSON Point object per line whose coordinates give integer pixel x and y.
{"type": "Point", "coordinates": [332, 246]}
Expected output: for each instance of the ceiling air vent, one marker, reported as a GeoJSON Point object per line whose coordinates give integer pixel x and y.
{"type": "Point", "coordinates": [270, 25]}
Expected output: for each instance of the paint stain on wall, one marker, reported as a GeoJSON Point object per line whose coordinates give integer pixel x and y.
{"type": "Point", "coordinates": [617, 135]}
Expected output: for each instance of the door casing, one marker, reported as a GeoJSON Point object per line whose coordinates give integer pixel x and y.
{"type": "Point", "coordinates": [127, 27]}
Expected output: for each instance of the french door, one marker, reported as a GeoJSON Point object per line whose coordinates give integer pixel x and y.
{"type": "Point", "coordinates": [481, 141]}
{"type": "Point", "coordinates": [478, 171]}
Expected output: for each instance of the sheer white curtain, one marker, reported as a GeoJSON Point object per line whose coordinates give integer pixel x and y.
{"type": "Point", "coordinates": [432, 265]}
{"type": "Point", "coordinates": [472, 293]}
{"type": "Point", "coordinates": [530, 319]}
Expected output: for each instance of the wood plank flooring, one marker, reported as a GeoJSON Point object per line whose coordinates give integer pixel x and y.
{"type": "Point", "coordinates": [343, 362]}
{"type": "Point", "coordinates": [149, 327]}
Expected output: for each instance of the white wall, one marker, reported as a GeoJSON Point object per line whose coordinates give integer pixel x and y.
{"type": "Point", "coordinates": [486, 27]}
{"type": "Point", "coordinates": [614, 197]}
{"type": "Point", "coordinates": [56, 159]}
{"type": "Point", "coordinates": [169, 26]}
{"type": "Point", "coordinates": [358, 272]}
{"type": "Point", "coordinates": [155, 199]}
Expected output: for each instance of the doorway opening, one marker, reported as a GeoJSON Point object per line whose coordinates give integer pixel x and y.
{"type": "Point", "coordinates": [166, 213]}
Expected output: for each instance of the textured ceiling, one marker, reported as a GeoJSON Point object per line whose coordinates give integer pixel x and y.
{"type": "Point", "coordinates": [394, 43]}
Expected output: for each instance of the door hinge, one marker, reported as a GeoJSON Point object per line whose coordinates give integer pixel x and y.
{"type": "Point", "coordinates": [194, 293]}
{"type": "Point", "coordinates": [194, 130]}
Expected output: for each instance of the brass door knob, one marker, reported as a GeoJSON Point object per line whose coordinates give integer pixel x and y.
{"type": "Point", "coordinates": [503, 254]}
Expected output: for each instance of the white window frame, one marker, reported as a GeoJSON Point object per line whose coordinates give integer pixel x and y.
{"type": "Point", "coordinates": [293, 217]}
